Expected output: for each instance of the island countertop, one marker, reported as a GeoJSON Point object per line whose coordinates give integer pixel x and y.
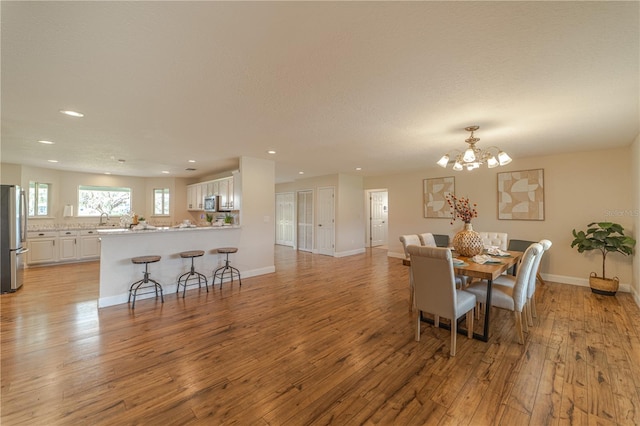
{"type": "Point", "coordinates": [133, 231]}
{"type": "Point", "coordinates": [118, 246]}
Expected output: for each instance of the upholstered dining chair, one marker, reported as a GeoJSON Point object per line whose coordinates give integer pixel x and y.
{"type": "Point", "coordinates": [512, 298]}
{"type": "Point", "coordinates": [495, 239]}
{"type": "Point", "coordinates": [408, 240]}
{"type": "Point", "coordinates": [531, 300]}
{"type": "Point", "coordinates": [427, 239]}
{"type": "Point", "coordinates": [436, 292]}
{"type": "Point", "coordinates": [521, 245]}
{"type": "Point", "coordinates": [442, 240]}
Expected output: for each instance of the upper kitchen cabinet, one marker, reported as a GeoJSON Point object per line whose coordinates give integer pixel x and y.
{"type": "Point", "coordinates": [195, 199]}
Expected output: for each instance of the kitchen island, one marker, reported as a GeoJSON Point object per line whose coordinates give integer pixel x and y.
{"type": "Point", "coordinates": [118, 246]}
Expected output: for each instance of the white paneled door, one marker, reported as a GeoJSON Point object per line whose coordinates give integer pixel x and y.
{"type": "Point", "coordinates": [285, 211]}
{"type": "Point", "coordinates": [325, 231]}
{"type": "Point", "coordinates": [379, 217]}
{"type": "Point", "coordinates": [305, 220]}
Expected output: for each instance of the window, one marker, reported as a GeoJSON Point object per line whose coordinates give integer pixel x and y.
{"type": "Point", "coordinates": [39, 199]}
{"type": "Point", "coordinates": [96, 200]}
{"type": "Point", "coordinates": [161, 201]}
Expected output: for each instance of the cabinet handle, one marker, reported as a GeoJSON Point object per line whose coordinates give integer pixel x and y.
{"type": "Point", "coordinates": [40, 234]}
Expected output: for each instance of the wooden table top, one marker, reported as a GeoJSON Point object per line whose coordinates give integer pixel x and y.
{"type": "Point", "coordinates": [487, 271]}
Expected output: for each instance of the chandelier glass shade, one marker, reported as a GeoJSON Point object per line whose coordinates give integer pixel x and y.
{"type": "Point", "coordinates": [473, 157]}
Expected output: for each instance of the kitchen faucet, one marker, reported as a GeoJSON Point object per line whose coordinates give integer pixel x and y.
{"type": "Point", "coordinates": [101, 222]}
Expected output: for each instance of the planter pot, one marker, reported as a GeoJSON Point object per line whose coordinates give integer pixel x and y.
{"type": "Point", "coordinates": [467, 242]}
{"type": "Point", "coordinates": [604, 286]}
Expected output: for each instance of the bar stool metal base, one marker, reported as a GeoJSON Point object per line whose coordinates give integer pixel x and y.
{"type": "Point", "coordinates": [145, 282]}
{"type": "Point", "coordinates": [226, 269]}
{"type": "Point", "coordinates": [192, 272]}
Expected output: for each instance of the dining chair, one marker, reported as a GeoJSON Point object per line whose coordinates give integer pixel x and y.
{"type": "Point", "coordinates": [442, 240]}
{"type": "Point", "coordinates": [406, 241]}
{"type": "Point", "coordinates": [427, 239]}
{"type": "Point", "coordinates": [494, 239]}
{"type": "Point", "coordinates": [512, 298]}
{"type": "Point", "coordinates": [521, 245]}
{"type": "Point", "coordinates": [531, 300]}
{"type": "Point", "coordinates": [435, 290]}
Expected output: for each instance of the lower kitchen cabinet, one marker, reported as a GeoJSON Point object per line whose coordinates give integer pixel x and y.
{"type": "Point", "coordinates": [42, 247]}
{"type": "Point", "coordinates": [89, 244]}
{"type": "Point", "coordinates": [67, 245]}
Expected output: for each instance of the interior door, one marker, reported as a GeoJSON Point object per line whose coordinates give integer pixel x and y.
{"type": "Point", "coordinates": [305, 220]}
{"type": "Point", "coordinates": [325, 231]}
{"type": "Point", "coordinates": [285, 209]}
{"type": "Point", "coordinates": [379, 218]}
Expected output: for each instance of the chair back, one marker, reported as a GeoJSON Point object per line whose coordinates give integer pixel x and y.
{"type": "Point", "coordinates": [531, 289]}
{"type": "Point", "coordinates": [525, 270]}
{"type": "Point", "coordinates": [433, 280]}
{"type": "Point", "coordinates": [519, 245]}
{"type": "Point", "coordinates": [427, 239]}
{"type": "Point", "coordinates": [442, 240]}
{"type": "Point", "coordinates": [408, 240]}
{"type": "Point", "coordinates": [494, 239]}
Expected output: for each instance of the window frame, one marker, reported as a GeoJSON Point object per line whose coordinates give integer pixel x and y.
{"type": "Point", "coordinates": [166, 201]}
{"type": "Point", "coordinates": [99, 188]}
{"type": "Point", "coordinates": [33, 185]}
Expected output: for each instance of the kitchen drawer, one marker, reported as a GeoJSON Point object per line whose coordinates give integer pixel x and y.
{"type": "Point", "coordinates": [89, 232]}
{"type": "Point", "coordinates": [67, 233]}
{"type": "Point", "coordinates": [32, 235]}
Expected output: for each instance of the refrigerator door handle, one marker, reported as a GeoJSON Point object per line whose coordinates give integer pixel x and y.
{"type": "Point", "coordinates": [22, 250]}
{"type": "Point", "coordinates": [23, 216]}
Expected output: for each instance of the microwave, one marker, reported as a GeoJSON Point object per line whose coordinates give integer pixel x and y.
{"type": "Point", "coordinates": [212, 203]}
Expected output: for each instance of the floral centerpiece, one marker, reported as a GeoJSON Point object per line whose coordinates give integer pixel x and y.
{"type": "Point", "coordinates": [461, 208]}
{"type": "Point", "coordinates": [466, 242]}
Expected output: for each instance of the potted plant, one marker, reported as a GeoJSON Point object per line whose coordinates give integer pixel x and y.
{"type": "Point", "coordinates": [607, 237]}
{"type": "Point", "coordinates": [228, 219]}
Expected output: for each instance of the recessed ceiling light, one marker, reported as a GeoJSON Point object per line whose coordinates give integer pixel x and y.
{"type": "Point", "coordinates": [192, 161]}
{"type": "Point", "coordinates": [46, 142]}
{"type": "Point", "coordinates": [271, 152]}
{"type": "Point", "coordinates": [358, 168]}
{"type": "Point", "coordinates": [52, 161]}
{"type": "Point", "coordinates": [71, 113]}
{"type": "Point", "coordinates": [300, 173]}
{"type": "Point", "coordinates": [165, 172]}
{"type": "Point", "coordinates": [107, 173]}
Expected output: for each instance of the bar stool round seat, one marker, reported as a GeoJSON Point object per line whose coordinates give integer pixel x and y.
{"type": "Point", "coordinates": [191, 254]}
{"type": "Point", "coordinates": [226, 268]}
{"type": "Point", "coordinates": [145, 282]}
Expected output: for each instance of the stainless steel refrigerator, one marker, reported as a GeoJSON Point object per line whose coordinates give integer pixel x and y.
{"type": "Point", "coordinates": [13, 232]}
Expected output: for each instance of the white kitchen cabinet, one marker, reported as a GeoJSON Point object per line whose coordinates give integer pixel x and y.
{"type": "Point", "coordinates": [89, 244]}
{"type": "Point", "coordinates": [42, 247]}
{"type": "Point", "coordinates": [67, 245]}
{"type": "Point", "coordinates": [195, 199]}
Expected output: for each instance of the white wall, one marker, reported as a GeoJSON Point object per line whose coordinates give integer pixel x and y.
{"type": "Point", "coordinates": [580, 188]}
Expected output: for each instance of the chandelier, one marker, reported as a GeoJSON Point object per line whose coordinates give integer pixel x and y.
{"type": "Point", "coordinates": [473, 157]}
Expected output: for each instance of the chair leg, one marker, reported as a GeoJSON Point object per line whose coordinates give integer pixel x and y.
{"type": "Point", "coordinates": [470, 324]}
{"type": "Point", "coordinates": [527, 307]}
{"type": "Point", "coordinates": [417, 337]}
{"type": "Point", "coordinates": [411, 301]}
{"type": "Point", "coordinates": [518, 317]}
{"type": "Point", "coordinates": [534, 313]}
{"type": "Point", "coordinates": [540, 279]}
{"type": "Point", "coordinates": [454, 332]}
{"type": "Point", "coordinates": [523, 316]}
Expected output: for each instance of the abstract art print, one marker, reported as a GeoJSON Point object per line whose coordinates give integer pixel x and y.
{"type": "Point", "coordinates": [521, 195]}
{"type": "Point", "coordinates": [435, 193]}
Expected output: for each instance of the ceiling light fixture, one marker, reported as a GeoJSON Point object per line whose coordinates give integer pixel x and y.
{"type": "Point", "coordinates": [473, 157]}
{"type": "Point", "coordinates": [52, 161]}
{"type": "Point", "coordinates": [72, 113]}
{"type": "Point", "coordinates": [46, 142]}
{"type": "Point", "coordinates": [271, 152]}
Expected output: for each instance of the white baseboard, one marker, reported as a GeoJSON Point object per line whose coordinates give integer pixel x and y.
{"type": "Point", "coordinates": [582, 282]}
{"type": "Point", "coordinates": [349, 252]}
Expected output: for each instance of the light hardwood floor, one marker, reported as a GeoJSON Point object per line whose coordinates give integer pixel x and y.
{"type": "Point", "coordinates": [321, 341]}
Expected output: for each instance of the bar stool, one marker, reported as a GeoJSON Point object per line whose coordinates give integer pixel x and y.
{"type": "Point", "coordinates": [226, 268]}
{"type": "Point", "coordinates": [192, 273]}
{"type": "Point", "coordinates": [144, 282]}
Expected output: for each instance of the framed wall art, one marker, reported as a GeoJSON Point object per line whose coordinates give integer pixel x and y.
{"type": "Point", "coordinates": [435, 192]}
{"type": "Point", "coordinates": [521, 195]}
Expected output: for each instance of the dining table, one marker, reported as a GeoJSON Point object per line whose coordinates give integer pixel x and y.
{"type": "Point", "coordinates": [484, 271]}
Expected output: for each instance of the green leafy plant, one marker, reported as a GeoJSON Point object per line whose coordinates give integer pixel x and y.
{"type": "Point", "coordinates": [209, 218]}
{"type": "Point", "coordinates": [228, 218]}
{"type": "Point", "coordinates": [141, 219]}
{"type": "Point", "coordinates": [604, 236]}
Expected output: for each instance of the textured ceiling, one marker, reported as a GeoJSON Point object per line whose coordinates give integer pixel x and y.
{"type": "Point", "coordinates": [331, 86]}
